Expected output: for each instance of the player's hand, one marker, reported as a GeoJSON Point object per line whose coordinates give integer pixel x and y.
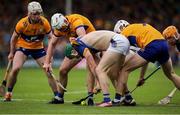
{"type": "Point", "coordinates": [141, 82]}
{"type": "Point", "coordinates": [10, 56]}
{"type": "Point", "coordinates": [47, 67]}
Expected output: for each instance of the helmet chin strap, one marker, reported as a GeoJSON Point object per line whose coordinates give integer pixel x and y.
{"type": "Point", "coordinates": [176, 38]}
{"type": "Point", "coordinates": [33, 21]}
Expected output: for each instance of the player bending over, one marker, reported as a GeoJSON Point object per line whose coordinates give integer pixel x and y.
{"type": "Point", "coordinates": [153, 48]}
{"type": "Point", "coordinates": [72, 25]}
{"type": "Point", "coordinates": [116, 47]}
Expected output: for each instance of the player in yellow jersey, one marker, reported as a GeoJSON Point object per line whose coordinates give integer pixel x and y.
{"type": "Point", "coordinates": [153, 48]}
{"type": "Point", "coordinates": [172, 35]}
{"type": "Point", "coordinates": [73, 25]}
{"type": "Point", "coordinates": [27, 40]}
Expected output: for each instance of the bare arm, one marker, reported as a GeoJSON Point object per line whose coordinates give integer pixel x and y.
{"type": "Point", "coordinates": [13, 42]}
{"type": "Point", "coordinates": [143, 71]}
{"type": "Point", "coordinates": [49, 37]}
{"type": "Point", "coordinates": [50, 51]}
{"type": "Point", "coordinates": [142, 74]}
{"type": "Point", "coordinates": [90, 61]}
{"type": "Point", "coordinates": [80, 31]}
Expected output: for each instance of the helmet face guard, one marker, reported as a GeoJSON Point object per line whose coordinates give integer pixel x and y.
{"type": "Point", "coordinates": [59, 22]}
{"type": "Point", "coordinates": [120, 25]}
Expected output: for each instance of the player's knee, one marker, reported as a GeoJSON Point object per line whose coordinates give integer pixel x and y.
{"type": "Point", "coordinates": [170, 75]}
{"type": "Point", "coordinates": [100, 70]}
{"type": "Point", "coordinates": [63, 72]}
{"type": "Point", "coordinates": [126, 69]}
{"type": "Point", "coordinates": [15, 70]}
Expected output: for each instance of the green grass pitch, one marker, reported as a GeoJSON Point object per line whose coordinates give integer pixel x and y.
{"type": "Point", "coordinates": [31, 94]}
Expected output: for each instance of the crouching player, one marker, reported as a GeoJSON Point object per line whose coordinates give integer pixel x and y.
{"type": "Point", "coordinates": [72, 25]}
{"type": "Point", "coordinates": [154, 48]}
{"type": "Point", "coordinates": [172, 35]}
{"type": "Point", "coordinates": [116, 47]}
{"type": "Point", "coordinates": [27, 40]}
{"type": "Point", "coordinates": [127, 97]}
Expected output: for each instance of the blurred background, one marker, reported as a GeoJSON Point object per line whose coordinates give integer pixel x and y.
{"type": "Point", "coordinates": [102, 13]}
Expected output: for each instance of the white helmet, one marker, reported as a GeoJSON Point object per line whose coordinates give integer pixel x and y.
{"type": "Point", "coordinates": [120, 25]}
{"type": "Point", "coordinates": [58, 21]}
{"type": "Point", "coordinates": [34, 7]}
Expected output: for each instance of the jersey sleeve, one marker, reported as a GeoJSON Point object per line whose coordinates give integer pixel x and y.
{"type": "Point", "coordinates": [131, 38]}
{"type": "Point", "coordinates": [78, 23]}
{"type": "Point", "coordinates": [125, 32]}
{"type": "Point", "coordinates": [19, 26]}
{"type": "Point", "coordinates": [47, 26]}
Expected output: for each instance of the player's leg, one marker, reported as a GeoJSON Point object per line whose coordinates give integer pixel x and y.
{"type": "Point", "coordinates": [39, 56]}
{"type": "Point", "coordinates": [52, 83]}
{"type": "Point", "coordinates": [128, 97]}
{"type": "Point", "coordinates": [150, 53]}
{"type": "Point", "coordinates": [65, 67]}
{"type": "Point", "coordinates": [110, 63]}
{"type": "Point", "coordinates": [97, 87]}
{"type": "Point", "coordinates": [51, 80]}
{"type": "Point", "coordinates": [114, 78]}
{"type": "Point", "coordinates": [169, 72]}
{"type": "Point", "coordinates": [90, 85]}
{"type": "Point", "coordinates": [90, 80]}
{"type": "Point", "coordinates": [135, 62]}
{"type": "Point", "coordinates": [166, 63]}
{"type": "Point", "coordinates": [93, 85]}
{"type": "Point", "coordinates": [18, 61]}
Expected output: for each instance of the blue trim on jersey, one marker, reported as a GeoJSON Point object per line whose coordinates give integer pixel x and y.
{"type": "Point", "coordinates": [32, 38]}
{"type": "Point", "coordinates": [85, 27]}
{"type": "Point", "coordinates": [156, 50]}
{"type": "Point", "coordinates": [35, 53]}
{"type": "Point", "coordinates": [132, 40]}
{"type": "Point", "coordinates": [81, 47]}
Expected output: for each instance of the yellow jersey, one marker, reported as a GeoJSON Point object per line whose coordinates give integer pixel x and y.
{"type": "Point", "coordinates": [75, 21]}
{"type": "Point", "coordinates": [31, 35]}
{"type": "Point", "coordinates": [141, 34]}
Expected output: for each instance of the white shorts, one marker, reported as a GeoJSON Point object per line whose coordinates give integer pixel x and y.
{"type": "Point", "coordinates": [119, 44]}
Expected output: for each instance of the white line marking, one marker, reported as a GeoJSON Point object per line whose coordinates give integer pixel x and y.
{"type": "Point", "coordinates": [42, 94]}
{"type": "Point", "coordinates": [35, 100]}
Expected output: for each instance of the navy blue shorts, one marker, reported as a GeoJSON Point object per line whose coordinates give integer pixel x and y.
{"type": "Point", "coordinates": [35, 53]}
{"type": "Point", "coordinates": [157, 50]}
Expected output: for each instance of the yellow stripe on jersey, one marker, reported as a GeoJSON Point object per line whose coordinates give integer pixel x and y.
{"type": "Point", "coordinates": [143, 34]}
